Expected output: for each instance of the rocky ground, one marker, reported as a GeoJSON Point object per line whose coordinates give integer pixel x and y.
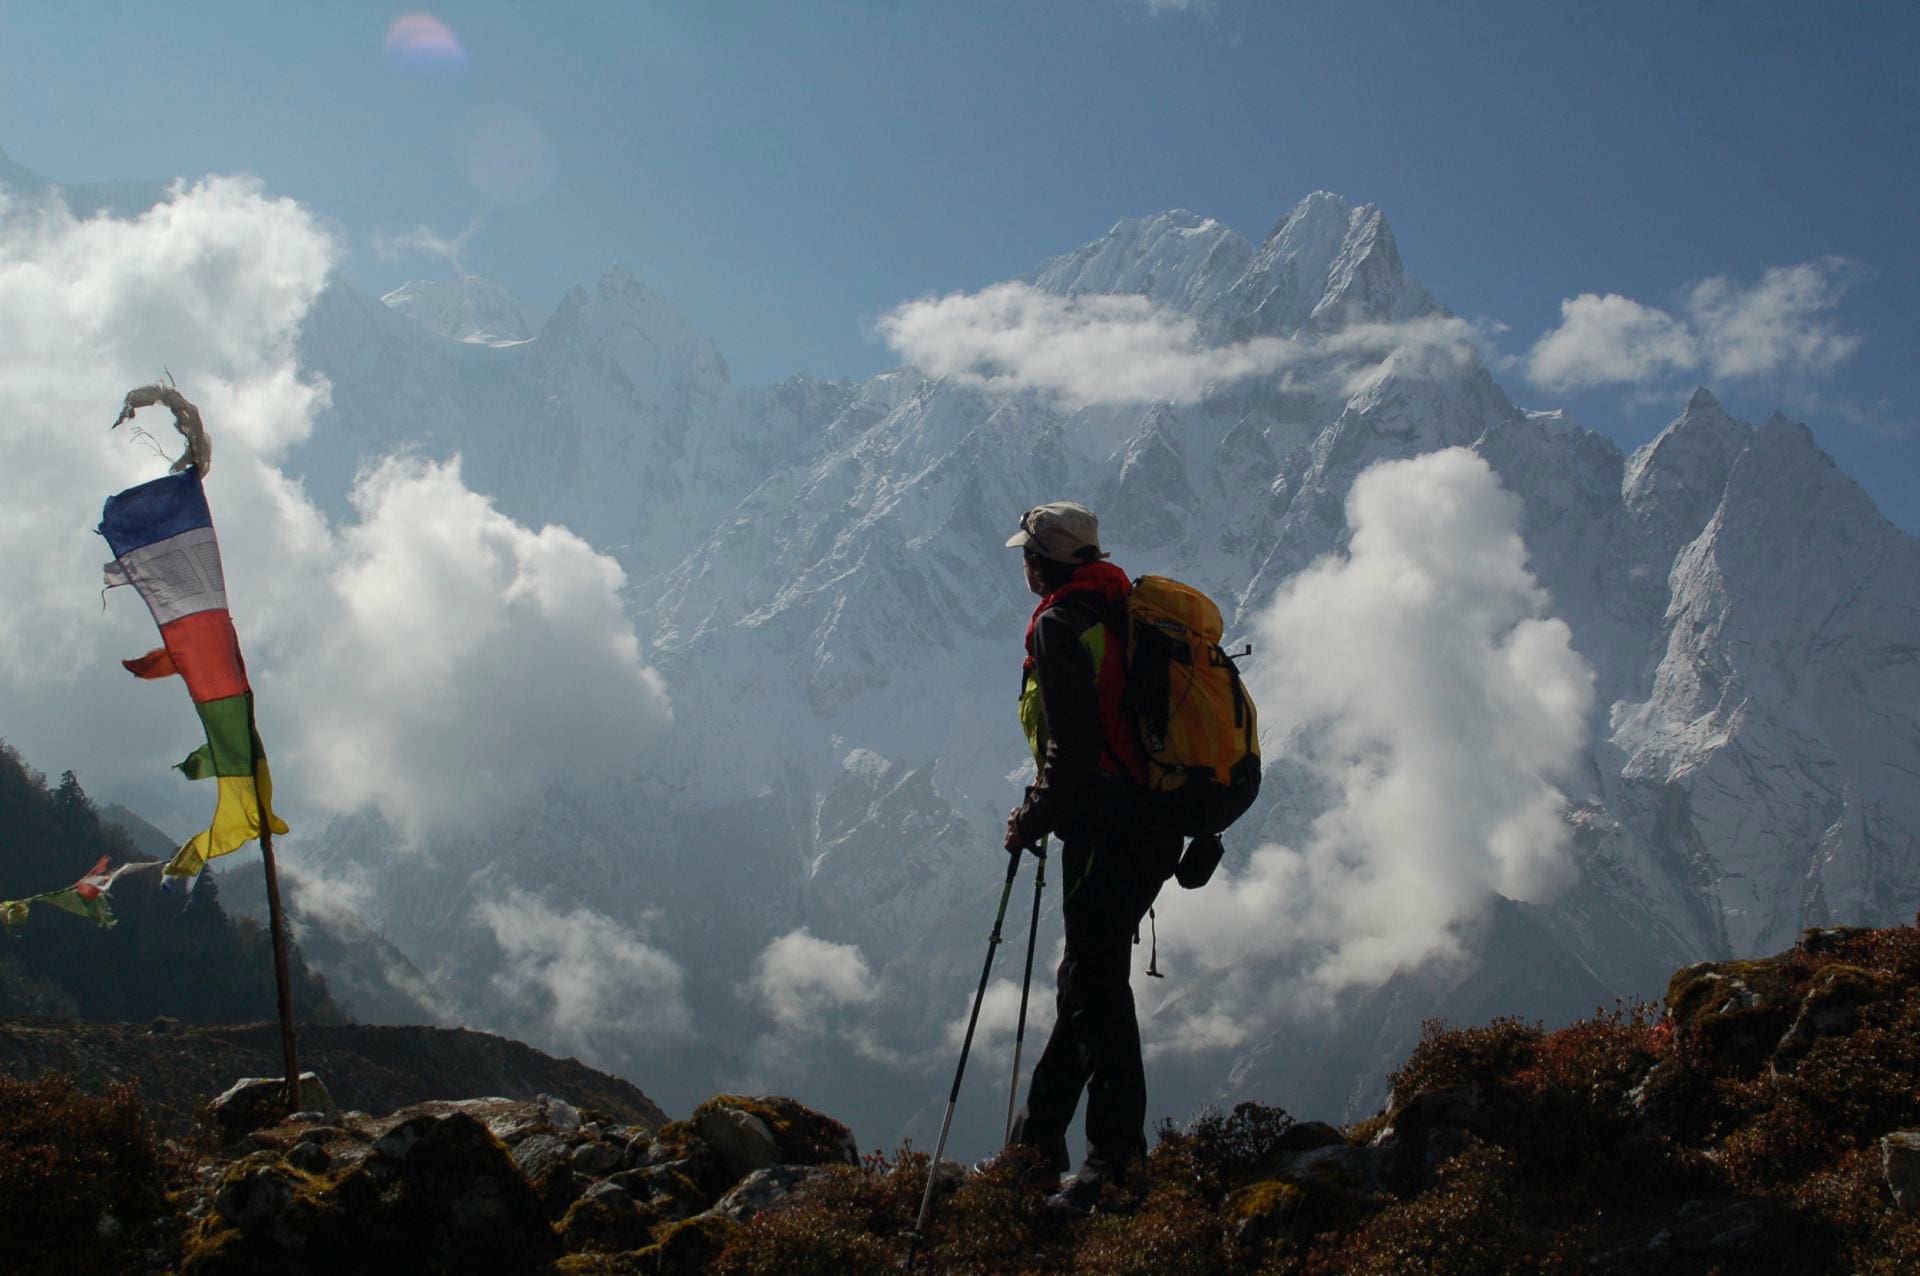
{"type": "Point", "coordinates": [1765, 1118]}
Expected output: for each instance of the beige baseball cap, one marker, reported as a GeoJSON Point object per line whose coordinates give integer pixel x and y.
{"type": "Point", "coordinates": [1060, 530]}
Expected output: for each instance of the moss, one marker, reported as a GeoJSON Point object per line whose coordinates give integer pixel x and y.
{"type": "Point", "coordinates": [452, 1200]}
{"type": "Point", "coordinates": [1260, 1218]}
{"type": "Point", "coordinates": [592, 1223]}
{"type": "Point", "coordinates": [805, 1137]}
{"type": "Point", "coordinates": [1263, 1203]}
{"type": "Point", "coordinates": [597, 1264]}
{"type": "Point", "coordinates": [1362, 1133]}
{"type": "Point", "coordinates": [689, 1246]}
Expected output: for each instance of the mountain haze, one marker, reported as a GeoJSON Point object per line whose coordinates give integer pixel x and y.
{"type": "Point", "coordinates": [1543, 720]}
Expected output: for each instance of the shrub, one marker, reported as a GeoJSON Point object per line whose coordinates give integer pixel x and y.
{"type": "Point", "coordinates": [1449, 1058]}
{"type": "Point", "coordinates": [1468, 1224]}
{"type": "Point", "coordinates": [78, 1174]}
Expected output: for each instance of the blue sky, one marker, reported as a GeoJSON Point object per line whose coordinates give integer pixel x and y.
{"type": "Point", "coordinates": [788, 172]}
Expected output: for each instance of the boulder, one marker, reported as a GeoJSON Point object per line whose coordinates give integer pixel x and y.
{"type": "Point", "coordinates": [546, 1161]}
{"type": "Point", "coordinates": [604, 1218]}
{"type": "Point", "coordinates": [675, 1189]}
{"type": "Point", "coordinates": [762, 1190]}
{"type": "Point", "coordinates": [309, 1157]}
{"type": "Point", "coordinates": [742, 1139]}
{"type": "Point", "coordinates": [1830, 1006]}
{"type": "Point", "coordinates": [432, 1194]}
{"type": "Point", "coordinates": [596, 1159]}
{"type": "Point", "coordinates": [253, 1102]}
{"type": "Point", "coordinates": [801, 1135]}
{"type": "Point", "coordinates": [254, 1192]}
{"type": "Point", "coordinates": [561, 1115]}
{"type": "Point", "coordinates": [1900, 1160]}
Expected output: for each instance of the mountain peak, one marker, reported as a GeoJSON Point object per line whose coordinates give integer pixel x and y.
{"type": "Point", "coordinates": [1176, 258]}
{"type": "Point", "coordinates": [467, 308]}
{"type": "Point", "coordinates": [1322, 211]}
{"type": "Point", "coordinates": [651, 340]}
{"type": "Point", "coordinates": [1673, 484]}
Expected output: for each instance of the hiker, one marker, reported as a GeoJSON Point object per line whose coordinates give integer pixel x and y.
{"type": "Point", "coordinates": [1089, 794]}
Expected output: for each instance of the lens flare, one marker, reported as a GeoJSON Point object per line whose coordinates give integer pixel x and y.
{"type": "Point", "coordinates": [420, 39]}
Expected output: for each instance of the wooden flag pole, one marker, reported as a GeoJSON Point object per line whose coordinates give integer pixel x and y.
{"type": "Point", "coordinates": [277, 922]}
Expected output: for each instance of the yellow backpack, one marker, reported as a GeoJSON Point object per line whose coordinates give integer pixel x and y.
{"type": "Point", "coordinates": [1197, 723]}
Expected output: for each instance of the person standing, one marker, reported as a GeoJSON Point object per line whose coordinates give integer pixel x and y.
{"type": "Point", "coordinates": [1089, 793]}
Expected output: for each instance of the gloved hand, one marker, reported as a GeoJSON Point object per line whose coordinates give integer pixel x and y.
{"type": "Point", "coordinates": [1028, 823]}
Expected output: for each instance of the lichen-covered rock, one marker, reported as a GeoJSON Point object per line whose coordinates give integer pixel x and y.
{"type": "Point", "coordinates": [687, 1248]}
{"type": "Point", "coordinates": [1262, 1213]}
{"type": "Point", "coordinates": [742, 1139]}
{"type": "Point", "coordinates": [675, 1190]}
{"type": "Point", "coordinates": [1900, 1162]}
{"type": "Point", "coordinates": [255, 1192]}
{"type": "Point", "coordinates": [604, 1218]}
{"type": "Point", "coordinates": [309, 1157]}
{"type": "Point", "coordinates": [547, 1162]}
{"type": "Point", "coordinates": [762, 1190]}
{"type": "Point", "coordinates": [595, 1159]}
{"type": "Point", "coordinates": [1831, 1005]}
{"type": "Point", "coordinates": [801, 1135]}
{"type": "Point", "coordinates": [436, 1194]}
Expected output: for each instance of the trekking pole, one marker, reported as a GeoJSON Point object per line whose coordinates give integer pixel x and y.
{"type": "Point", "coordinates": [933, 1168]}
{"type": "Point", "coordinates": [1026, 982]}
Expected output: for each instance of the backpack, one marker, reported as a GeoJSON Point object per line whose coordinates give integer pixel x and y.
{"type": "Point", "coordinates": [1196, 721]}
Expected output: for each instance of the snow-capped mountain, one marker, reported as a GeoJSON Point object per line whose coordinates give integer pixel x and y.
{"type": "Point", "coordinates": [819, 574]}
{"type": "Point", "coordinates": [468, 308]}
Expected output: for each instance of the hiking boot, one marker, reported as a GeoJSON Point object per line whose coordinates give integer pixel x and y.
{"type": "Point", "coordinates": [1079, 1193]}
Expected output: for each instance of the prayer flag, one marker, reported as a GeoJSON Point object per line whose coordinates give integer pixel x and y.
{"type": "Point", "coordinates": [161, 534]}
{"type": "Point", "coordinates": [85, 898]}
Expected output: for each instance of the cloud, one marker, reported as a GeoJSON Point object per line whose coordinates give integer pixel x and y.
{"type": "Point", "coordinates": [800, 980]}
{"type": "Point", "coordinates": [466, 662]}
{"type": "Point", "coordinates": [1419, 678]}
{"type": "Point", "coordinates": [1610, 339]}
{"type": "Point", "coordinates": [1000, 1016]}
{"type": "Point", "coordinates": [1781, 326]}
{"type": "Point", "coordinates": [427, 242]}
{"type": "Point", "coordinates": [591, 985]}
{"type": "Point", "coordinates": [432, 657]}
{"type": "Point", "coordinates": [1102, 348]}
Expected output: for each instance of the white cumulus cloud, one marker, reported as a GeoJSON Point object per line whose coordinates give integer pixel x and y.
{"type": "Point", "coordinates": [431, 657]}
{"type": "Point", "coordinates": [1420, 677]}
{"type": "Point", "coordinates": [590, 985]}
{"type": "Point", "coordinates": [1783, 325]}
{"type": "Point", "coordinates": [1101, 348]}
{"type": "Point", "coordinates": [1610, 339]}
{"type": "Point", "coordinates": [462, 661]}
{"type": "Point", "coordinates": [800, 980]}
{"type": "Point", "coordinates": [1000, 1015]}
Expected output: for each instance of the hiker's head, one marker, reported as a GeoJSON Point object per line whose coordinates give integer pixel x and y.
{"type": "Point", "coordinates": [1054, 539]}
{"type": "Point", "coordinates": [1059, 532]}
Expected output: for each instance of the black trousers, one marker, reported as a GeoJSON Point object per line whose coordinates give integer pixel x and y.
{"type": "Point", "coordinates": [1110, 881]}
